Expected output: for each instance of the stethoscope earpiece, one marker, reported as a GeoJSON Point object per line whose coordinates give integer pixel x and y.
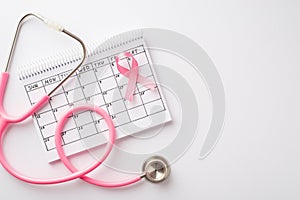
{"type": "Point", "coordinates": [156, 169]}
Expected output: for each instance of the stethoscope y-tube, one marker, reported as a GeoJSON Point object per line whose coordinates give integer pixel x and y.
{"type": "Point", "coordinates": [156, 169]}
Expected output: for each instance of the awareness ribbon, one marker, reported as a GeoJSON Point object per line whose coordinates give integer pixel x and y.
{"type": "Point", "coordinates": [133, 76]}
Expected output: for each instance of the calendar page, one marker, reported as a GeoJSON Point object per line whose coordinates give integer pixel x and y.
{"type": "Point", "coordinates": [97, 82]}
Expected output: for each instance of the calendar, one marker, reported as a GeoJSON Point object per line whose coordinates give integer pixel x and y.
{"type": "Point", "coordinates": [98, 82]}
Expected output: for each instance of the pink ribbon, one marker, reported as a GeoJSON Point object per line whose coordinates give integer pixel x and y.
{"type": "Point", "coordinates": [133, 76]}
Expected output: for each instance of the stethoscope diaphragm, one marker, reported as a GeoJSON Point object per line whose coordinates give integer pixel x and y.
{"type": "Point", "coordinates": [156, 169]}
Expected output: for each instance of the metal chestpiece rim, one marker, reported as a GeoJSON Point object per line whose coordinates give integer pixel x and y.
{"type": "Point", "coordinates": [156, 169]}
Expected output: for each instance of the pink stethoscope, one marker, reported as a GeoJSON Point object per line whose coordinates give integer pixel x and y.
{"type": "Point", "coordinates": [155, 169]}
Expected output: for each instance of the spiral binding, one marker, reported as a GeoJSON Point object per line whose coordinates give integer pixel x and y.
{"type": "Point", "coordinates": [70, 56]}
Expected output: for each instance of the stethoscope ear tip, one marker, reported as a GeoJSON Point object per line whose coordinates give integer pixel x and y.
{"type": "Point", "coordinates": [156, 169]}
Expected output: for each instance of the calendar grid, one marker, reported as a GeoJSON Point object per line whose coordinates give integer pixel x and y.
{"type": "Point", "coordinates": [100, 83]}
{"type": "Point", "coordinates": [148, 60]}
{"type": "Point", "coordinates": [118, 74]}
{"type": "Point", "coordinates": [138, 91]}
{"type": "Point", "coordinates": [101, 91]}
{"type": "Point", "coordinates": [71, 119]}
{"type": "Point", "coordinates": [87, 111]}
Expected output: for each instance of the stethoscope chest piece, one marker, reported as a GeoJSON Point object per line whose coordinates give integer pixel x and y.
{"type": "Point", "coordinates": [156, 169]}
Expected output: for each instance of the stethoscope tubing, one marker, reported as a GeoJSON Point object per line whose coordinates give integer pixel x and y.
{"type": "Point", "coordinates": [5, 120]}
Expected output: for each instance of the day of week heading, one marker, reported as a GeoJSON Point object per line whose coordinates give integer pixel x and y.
{"type": "Point", "coordinates": [34, 86]}
{"type": "Point", "coordinates": [50, 80]}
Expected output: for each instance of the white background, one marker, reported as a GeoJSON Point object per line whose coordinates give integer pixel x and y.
{"type": "Point", "coordinates": [255, 46]}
